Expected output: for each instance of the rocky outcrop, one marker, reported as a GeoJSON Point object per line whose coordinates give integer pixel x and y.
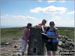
{"type": "Point", "coordinates": [36, 45]}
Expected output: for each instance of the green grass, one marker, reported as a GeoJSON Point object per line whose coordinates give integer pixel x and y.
{"type": "Point", "coordinates": [7, 32]}
{"type": "Point", "coordinates": [67, 31]}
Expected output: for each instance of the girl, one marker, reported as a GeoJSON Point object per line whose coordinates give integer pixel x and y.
{"type": "Point", "coordinates": [25, 37]}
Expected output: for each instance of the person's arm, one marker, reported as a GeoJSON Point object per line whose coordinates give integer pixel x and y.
{"type": "Point", "coordinates": [57, 34]}
{"type": "Point", "coordinates": [39, 25]}
{"type": "Point", "coordinates": [43, 28]}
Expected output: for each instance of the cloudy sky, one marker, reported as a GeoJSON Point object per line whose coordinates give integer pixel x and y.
{"type": "Point", "coordinates": [19, 13]}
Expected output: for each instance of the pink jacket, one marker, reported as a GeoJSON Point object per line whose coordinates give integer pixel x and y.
{"type": "Point", "coordinates": [26, 34]}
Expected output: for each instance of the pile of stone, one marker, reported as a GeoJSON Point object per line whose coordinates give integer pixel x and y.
{"type": "Point", "coordinates": [65, 43]}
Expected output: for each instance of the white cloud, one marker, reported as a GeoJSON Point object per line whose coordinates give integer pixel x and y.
{"type": "Point", "coordinates": [36, 10]}
{"type": "Point", "coordinates": [39, 0]}
{"type": "Point", "coordinates": [54, 10]}
{"type": "Point", "coordinates": [51, 1]}
{"type": "Point", "coordinates": [49, 10]}
{"type": "Point", "coordinates": [19, 20]}
{"type": "Point", "coordinates": [59, 21]}
{"type": "Point", "coordinates": [72, 12]}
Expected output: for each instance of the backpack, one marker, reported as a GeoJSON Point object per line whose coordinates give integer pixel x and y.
{"type": "Point", "coordinates": [54, 30]}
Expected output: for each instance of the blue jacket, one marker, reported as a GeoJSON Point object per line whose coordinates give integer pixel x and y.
{"type": "Point", "coordinates": [52, 33]}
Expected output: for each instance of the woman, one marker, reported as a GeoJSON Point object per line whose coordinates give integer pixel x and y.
{"type": "Point", "coordinates": [25, 37]}
{"type": "Point", "coordinates": [52, 34]}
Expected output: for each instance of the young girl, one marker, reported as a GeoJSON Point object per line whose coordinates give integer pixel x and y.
{"type": "Point", "coordinates": [25, 37]}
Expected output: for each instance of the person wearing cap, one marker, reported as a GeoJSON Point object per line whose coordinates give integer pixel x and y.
{"type": "Point", "coordinates": [52, 42]}
{"type": "Point", "coordinates": [25, 37]}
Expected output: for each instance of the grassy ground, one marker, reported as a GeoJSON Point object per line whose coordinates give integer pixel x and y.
{"type": "Point", "coordinates": [8, 32]}
{"type": "Point", "coordinates": [17, 32]}
{"type": "Point", "coordinates": [67, 31]}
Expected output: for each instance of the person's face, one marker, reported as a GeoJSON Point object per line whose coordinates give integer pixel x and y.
{"type": "Point", "coordinates": [44, 22]}
{"type": "Point", "coordinates": [29, 27]}
{"type": "Point", "coordinates": [52, 25]}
